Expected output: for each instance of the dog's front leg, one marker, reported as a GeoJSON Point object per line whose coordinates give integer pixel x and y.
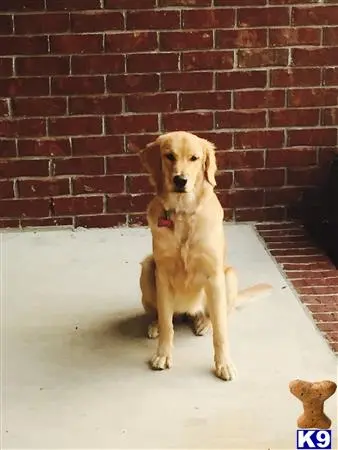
{"type": "Point", "coordinates": [217, 304]}
{"type": "Point", "coordinates": [163, 356]}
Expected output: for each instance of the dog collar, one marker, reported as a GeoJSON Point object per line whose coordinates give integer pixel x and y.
{"type": "Point", "coordinates": [165, 221]}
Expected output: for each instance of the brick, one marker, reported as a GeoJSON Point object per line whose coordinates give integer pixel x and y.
{"type": "Point", "coordinates": [257, 57]}
{"type": "Point", "coordinates": [330, 36]}
{"type": "Point", "coordinates": [72, 43]}
{"type": "Point", "coordinates": [325, 155]}
{"type": "Point", "coordinates": [190, 3]}
{"type": "Point", "coordinates": [314, 56]}
{"type": "Point", "coordinates": [6, 24]}
{"type": "Point", "coordinates": [186, 40]}
{"type": "Point", "coordinates": [138, 184]}
{"type": "Point", "coordinates": [24, 208]}
{"type": "Point", "coordinates": [10, 223]}
{"type": "Point", "coordinates": [4, 109]}
{"type": "Point", "coordinates": [140, 123]}
{"type": "Point", "coordinates": [240, 119]}
{"type": "Point", "coordinates": [22, 127]}
{"type": "Point", "coordinates": [103, 184]}
{"type": "Point", "coordinates": [205, 100]}
{"type": "Point", "coordinates": [151, 103]}
{"type": "Point", "coordinates": [213, 60]}
{"type": "Point", "coordinates": [137, 219]}
{"type": "Point", "coordinates": [46, 222]}
{"type": "Point", "coordinates": [43, 188]}
{"type": "Point", "coordinates": [239, 2]}
{"type": "Point", "coordinates": [77, 85]}
{"type": "Point", "coordinates": [293, 117]}
{"type": "Point", "coordinates": [96, 64]}
{"type": "Point", "coordinates": [330, 116]}
{"type": "Point", "coordinates": [315, 15]}
{"type": "Point", "coordinates": [101, 221]}
{"type": "Point", "coordinates": [313, 97]}
{"type": "Point", "coordinates": [222, 139]}
{"type": "Point", "coordinates": [259, 99]}
{"type": "Point", "coordinates": [91, 21]}
{"type": "Point", "coordinates": [6, 189]}
{"type": "Point", "coordinates": [259, 214]}
{"type": "Point", "coordinates": [241, 38]}
{"type": "Point", "coordinates": [137, 141]}
{"type": "Point", "coordinates": [42, 65]}
{"type": "Point", "coordinates": [7, 148]}
{"type": "Point", "coordinates": [283, 195]}
{"type": "Point", "coordinates": [287, 37]}
{"type": "Point", "coordinates": [13, 168]}
{"type": "Point", "coordinates": [330, 76]}
{"type": "Point", "coordinates": [302, 176]}
{"type": "Point", "coordinates": [95, 105]}
{"type": "Point", "coordinates": [125, 164]}
{"type": "Point", "coordinates": [238, 198]}
{"type": "Point", "coordinates": [21, 5]}
{"type": "Point", "coordinates": [152, 20]}
{"type": "Point", "coordinates": [23, 45]}
{"type": "Point", "coordinates": [237, 159]}
{"type": "Point", "coordinates": [263, 17]}
{"type": "Point", "coordinates": [239, 79]}
{"type": "Point", "coordinates": [152, 62]}
{"type": "Point", "coordinates": [44, 147]}
{"type": "Point", "coordinates": [260, 177]}
{"type": "Point", "coordinates": [128, 203]}
{"type": "Point", "coordinates": [321, 137]}
{"type": "Point", "coordinates": [83, 125]}
{"type": "Point", "coordinates": [196, 81]}
{"type": "Point", "coordinates": [78, 166]}
{"type": "Point", "coordinates": [290, 2]}
{"type": "Point", "coordinates": [220, 18]}
{"type": "Point", "coordinates": [190, 121]}
{"type": "Point", "coordinates": [295, 77]}
{"type": "Point", "coordinates": [97, 145]}
{"type": "Point", "coordinates": [41, 23]}
{"type": "Point", "coordinates": [123, 84]}
{"type": "Point", "coordinates": [291, 157]}
{"type": "Point", "coordinates": [39, 106]}
{"type": "Point", "coordinates": [138, 41]}
{"type": "Point", "coordinates": [224, 180]}
{"type": "Point", "coordinates": [71, 5]}
{"type": "Point", "coordinates": [6, 67]}
{"type": "Point", "coordinates": [259, 139]}
{"type": "Point", "coordinates": [130, 4]}
{"type": "Point", "coordinates": [65, 206]}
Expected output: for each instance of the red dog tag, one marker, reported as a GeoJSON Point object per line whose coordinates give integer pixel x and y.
{"type": "Point", "coordinates": [162, 222]}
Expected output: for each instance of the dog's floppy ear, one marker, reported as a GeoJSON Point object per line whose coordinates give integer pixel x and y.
{"type": "Point", "coordinates": [210, 166]}
{"type": "Point", "coordinates": [151, 160]}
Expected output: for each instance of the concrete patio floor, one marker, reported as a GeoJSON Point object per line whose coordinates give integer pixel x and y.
{"type": "Point", "coordinates": [74, 352]}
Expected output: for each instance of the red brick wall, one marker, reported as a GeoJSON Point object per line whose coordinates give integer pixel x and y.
{"type": "Point", "coordinates": [82, 79]}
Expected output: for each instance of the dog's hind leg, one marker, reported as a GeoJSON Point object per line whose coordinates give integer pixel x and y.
{"type": "Point", "coordinates": [148, 289]}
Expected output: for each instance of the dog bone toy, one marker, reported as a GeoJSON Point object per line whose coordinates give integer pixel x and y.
{"type": "Point", "coordinates": [313, 396]}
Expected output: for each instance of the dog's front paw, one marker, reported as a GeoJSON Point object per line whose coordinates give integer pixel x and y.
{"type": "Point", "coordinates": [225, 371]}
{"type": "Point", "coordinates": [160, 362]}
{"type": "Point", "coordinates": [153, 330]}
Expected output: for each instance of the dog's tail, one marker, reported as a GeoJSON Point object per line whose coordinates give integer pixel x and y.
{"type": "Point", "coordinates": [236, 298]}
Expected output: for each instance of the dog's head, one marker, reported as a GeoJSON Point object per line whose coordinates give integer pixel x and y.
{"type": "Point", "coordinates": [179, 161]}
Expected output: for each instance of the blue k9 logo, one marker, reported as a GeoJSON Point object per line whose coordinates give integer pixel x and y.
{"type": "Point", "coordinates": [314, 439]}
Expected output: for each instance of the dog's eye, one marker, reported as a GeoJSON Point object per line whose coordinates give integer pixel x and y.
{"type": "Point", "coordinates": [193, 158]}
{"type": "Point", "coordinates": [170, 156]}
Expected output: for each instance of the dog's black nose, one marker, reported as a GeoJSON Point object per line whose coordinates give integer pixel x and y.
{"type": "Point", "coordinates": [180, 181]}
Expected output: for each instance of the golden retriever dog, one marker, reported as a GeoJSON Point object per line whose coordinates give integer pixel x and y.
{"type": "Point", "coordinates": [187, 271]}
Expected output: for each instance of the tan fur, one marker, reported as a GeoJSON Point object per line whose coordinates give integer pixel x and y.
{"type": "Point", "coordinates": [187, 272]}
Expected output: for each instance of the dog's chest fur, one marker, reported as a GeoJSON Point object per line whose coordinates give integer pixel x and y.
{"type": "Point", "coordinates": [179, 251]}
